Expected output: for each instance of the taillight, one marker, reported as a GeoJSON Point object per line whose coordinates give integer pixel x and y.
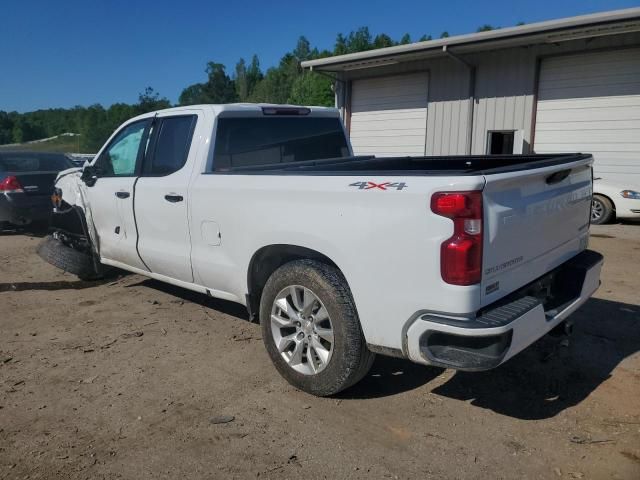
{"type": "Point", "coordinates": [461, 254]}
{"type": "Point", "coordinates": [10, 185]}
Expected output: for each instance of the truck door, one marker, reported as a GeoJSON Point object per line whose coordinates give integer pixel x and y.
{"type": "Point", "coordinates": [162, 196]}
{"type": "Point", "coordinates": [110, 198]}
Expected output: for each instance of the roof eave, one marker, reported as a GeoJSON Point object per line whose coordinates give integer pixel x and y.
{"type": "Point", "coordinates": [505, 37]}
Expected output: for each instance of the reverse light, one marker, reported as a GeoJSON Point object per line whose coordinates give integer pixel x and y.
{"type": "Point", "coordinates": [632, 194]}
{"type": "Point", "coordinates": [11, 185]}
{"type": "Point", "coordinates": [461, 254]}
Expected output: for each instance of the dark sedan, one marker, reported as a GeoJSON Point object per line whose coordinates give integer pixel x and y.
{"type": "Point", "coordinates": [26, 184]}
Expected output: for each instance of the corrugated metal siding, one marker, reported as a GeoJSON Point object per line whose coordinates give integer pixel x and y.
{"type": "Point", "coordinates": [590, 102]}
{"type": "Point", "coordinates": [505, 86]}
{"type": "Point", "coordinates": [448, 109]}
{"type": "Point", "coordinates": [504, 95]}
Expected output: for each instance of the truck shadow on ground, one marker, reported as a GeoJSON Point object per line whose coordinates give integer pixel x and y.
{"type": "Point", "coordinates": [222, 306]}
{"type": "Point", "coordinates": [538, 383]}
{"type": "Point", "coordinates": [37, 231]}
{"type": "Point", "coordinates": [541, 381]}
{"type": "Point", "coordinates": [53, 285]}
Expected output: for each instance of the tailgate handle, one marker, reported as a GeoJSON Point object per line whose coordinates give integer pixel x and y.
{"type": "Point", "coordinates": [557, 177]}
{"type": "Point", "coordinates": [122, 194]}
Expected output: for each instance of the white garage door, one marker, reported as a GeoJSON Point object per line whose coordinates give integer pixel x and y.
{"type": "Point", "coordinates": [389, 115]}
{"type": "Point", "coordinates": [591, 103]}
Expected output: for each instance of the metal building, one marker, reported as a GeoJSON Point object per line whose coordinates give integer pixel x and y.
{"type": "Point", "coordinates": [568, 85]}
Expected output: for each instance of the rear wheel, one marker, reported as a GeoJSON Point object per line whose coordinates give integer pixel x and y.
{"type": "Point", "coordinates": [601, 210]}
{"type": "Point", "coordinates": [311, 330]}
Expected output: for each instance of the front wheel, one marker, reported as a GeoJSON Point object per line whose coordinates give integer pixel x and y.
{"type": "Point", "coordinates": [71, 260]}
{"type": "Point", "coordinates": [311, 330]}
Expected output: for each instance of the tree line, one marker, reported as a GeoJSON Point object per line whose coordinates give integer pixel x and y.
{"type": "Point", "coordinates": [283, 83]}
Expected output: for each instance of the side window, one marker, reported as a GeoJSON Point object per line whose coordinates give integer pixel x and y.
{"type": "Point", "coordinates": [171, 148]}
{"type": "Point", "coordinates": [119, 159]}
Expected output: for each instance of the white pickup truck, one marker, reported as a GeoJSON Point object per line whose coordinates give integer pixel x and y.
{"type": "Point", "coordinates": [458, 262]}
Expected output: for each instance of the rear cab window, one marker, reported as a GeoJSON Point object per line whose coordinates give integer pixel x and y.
{"type": "Point", "coordinates": [254, 141]}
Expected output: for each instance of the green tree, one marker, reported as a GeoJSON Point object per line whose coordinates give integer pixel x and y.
{"type": "Point", "coordinates": [383, 40]}
{"type": "Point", "coordinates": [425, 38]}
{"type": "Point", "coordinates": [192, 95]}
{"type": "Point", "coordinates": [254, 74]}
{"type": "Point", "coordinates": [406, 38]}
{"type": "Point", "coordinates": [94, 129]}
{"type": "Point", "coordinates": [241, 81]}
{"type": "Point", "coordinates": [486, 28]}
{"type": "Point", "coordinates": [6, 128]}
{"type": "Point", "coordinates": [117, 114]}
{"type": "Point", "coordinates": [25, 130]}
{"type": "Point", "coordinates": [311, 89]}
{"type": "Point", "coordinates": [302, 51]}
{"type": "Point", "coordinates": [276, 85]}
{"type": "Point", "coordinates": [359, 41]}
{"type": "Point", "coordinates": [150, 100]}
{"type": "Point", "coordinates": [340, 47]}
{"type": "Point", "coordinates": [444, 34]}
{"type": "Point", "coordinates": [218, 88]}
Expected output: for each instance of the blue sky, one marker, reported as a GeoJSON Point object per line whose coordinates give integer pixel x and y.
{"type": "Point", "coordinates": [80, 52]}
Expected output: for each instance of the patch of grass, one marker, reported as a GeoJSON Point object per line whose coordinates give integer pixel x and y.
{"type": "Point", "coordinates": [64, 144]}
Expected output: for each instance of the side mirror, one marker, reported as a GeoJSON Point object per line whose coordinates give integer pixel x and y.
{"type": "Point", "coordinates": [89, 175]}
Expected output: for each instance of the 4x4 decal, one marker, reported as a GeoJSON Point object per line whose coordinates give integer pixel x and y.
{"type": "Point", "coordinates": [379, 186]}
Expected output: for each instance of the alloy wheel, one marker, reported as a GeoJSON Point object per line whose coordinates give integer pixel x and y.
{"type": "Point", "coordinates": [302, 330]}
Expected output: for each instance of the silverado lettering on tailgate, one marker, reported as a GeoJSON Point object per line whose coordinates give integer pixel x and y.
{"type": "Point", "coordinates": [502, 266]}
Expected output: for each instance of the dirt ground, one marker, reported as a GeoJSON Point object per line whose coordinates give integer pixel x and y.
{"type": "Point", "coordinates": [126, 378]}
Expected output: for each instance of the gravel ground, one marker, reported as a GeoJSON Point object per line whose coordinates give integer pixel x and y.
{"type": "Point", "coordinates": [129, 378]}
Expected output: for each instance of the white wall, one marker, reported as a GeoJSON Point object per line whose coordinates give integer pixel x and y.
{"type": "Point", "coordinates": [505, 91]}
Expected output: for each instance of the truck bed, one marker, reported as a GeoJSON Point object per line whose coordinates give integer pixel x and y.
{"type": "Point", "coordinates": [414, 166]}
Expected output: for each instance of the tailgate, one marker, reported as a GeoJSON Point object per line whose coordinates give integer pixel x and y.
{"type": "Point", "coordinates": [534, 221]}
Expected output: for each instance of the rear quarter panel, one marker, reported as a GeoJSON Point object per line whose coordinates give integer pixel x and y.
{"type": "Point", "coordinates": [386, 242]}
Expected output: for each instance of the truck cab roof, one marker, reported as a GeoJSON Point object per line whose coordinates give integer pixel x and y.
{"type": "Point", "coordinates": [248, 109]}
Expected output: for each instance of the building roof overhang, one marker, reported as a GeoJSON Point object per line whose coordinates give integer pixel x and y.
{"type": "Point", "coordinates": [553, 31]}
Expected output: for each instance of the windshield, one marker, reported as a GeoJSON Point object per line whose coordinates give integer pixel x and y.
{"type": "Point", "coordinates": [253, 141]}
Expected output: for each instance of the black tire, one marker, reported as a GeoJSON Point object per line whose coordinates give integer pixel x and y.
{"type": "Point", "coordinates": [351, 359]}
{"type": "Point", "coordinates": [70, 260]}
{"type": "Point", "coordinates": [601, 210]}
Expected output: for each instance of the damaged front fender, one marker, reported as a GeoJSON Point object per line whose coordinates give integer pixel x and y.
{"type": "Point", "coordinates": [72, 218]}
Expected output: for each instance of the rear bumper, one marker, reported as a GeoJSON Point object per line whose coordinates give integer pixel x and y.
{"type": "Point", "coordinates": [493, 335]}
{"type": "Point", "coordinates": [22, 209]}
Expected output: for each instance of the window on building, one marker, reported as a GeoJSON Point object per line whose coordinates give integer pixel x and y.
{"type": "Point", "coordinates": [500, 142]}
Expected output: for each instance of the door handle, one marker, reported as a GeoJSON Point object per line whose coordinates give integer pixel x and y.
{"type": "Point", "coordinates": [173, 198]}
{"type": "Point", "coordinates": [123, 194]}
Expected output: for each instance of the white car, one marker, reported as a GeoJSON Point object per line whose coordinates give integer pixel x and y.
{"type": "Point", "coordinates": [459, 262]}
{"type": "Point", "coordinates": [612, 200]}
